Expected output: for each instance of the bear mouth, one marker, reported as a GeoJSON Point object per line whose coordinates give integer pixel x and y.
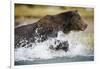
{"type": "Point", "coordinates": [84, 27]}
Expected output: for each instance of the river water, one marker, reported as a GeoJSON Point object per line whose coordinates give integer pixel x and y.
{"type": "Point", "coordinates": [80, 49]}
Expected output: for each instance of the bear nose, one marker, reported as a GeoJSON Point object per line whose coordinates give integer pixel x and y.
{"type": "Point", "coordinates": [85, 26]}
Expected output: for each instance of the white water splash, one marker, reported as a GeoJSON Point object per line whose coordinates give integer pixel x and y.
{"type": "Point", "coordinates": [42, 51]}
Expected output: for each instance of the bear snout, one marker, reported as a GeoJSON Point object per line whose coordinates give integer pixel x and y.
{"type": "Point", "coordinates": [84, 27]}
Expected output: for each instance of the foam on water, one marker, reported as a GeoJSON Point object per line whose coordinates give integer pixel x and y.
{"type": "Point", "coordinates": [42, 51]}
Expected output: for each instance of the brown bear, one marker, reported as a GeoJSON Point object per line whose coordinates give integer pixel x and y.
{"type": "Point", "coordinates": [49, 26]}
